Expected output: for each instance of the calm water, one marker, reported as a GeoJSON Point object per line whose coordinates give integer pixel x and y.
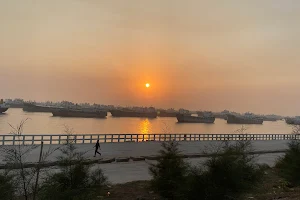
{"type": "Point", "coordinates": [44, 123]}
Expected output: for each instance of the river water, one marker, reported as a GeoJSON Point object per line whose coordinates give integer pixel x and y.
{"type": "Point", "coordinates": [44, 123]}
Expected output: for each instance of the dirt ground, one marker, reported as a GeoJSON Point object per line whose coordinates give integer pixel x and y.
{"type": "Point", "coordinates": [273, 187]}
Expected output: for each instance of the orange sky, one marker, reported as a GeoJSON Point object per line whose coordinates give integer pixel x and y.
{"type": "Point", "coordinates": [212, 55]}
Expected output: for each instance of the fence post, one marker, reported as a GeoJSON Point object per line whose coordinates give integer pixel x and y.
{"type": "Point", "coordinates": [23, 139]}
{"type": "Point", "coordinates": [118, 137]}
{"type": "Point", "coordinates": [91, 139]}
{"type": "Point", "coordinates": [67, 139]}
{"type": "Point", "coordinates": [59, 139]}
{"type": "Point", "coordinates": [32, 139]}
{"type": "Point", "coordinates": [51, 139]}
{"type": "Point", "coordinates": [83, 139]}
{"type": "Point", "coordinates": [14, 137]}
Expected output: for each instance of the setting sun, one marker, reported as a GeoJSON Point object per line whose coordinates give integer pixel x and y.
{"type": "Point", "coordinates": [147, 85]}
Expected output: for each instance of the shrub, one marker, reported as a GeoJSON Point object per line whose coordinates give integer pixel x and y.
{"type": "Point", "coordinates": [75, 184]}
{"type": "Point", "coordinates": [289, 165]}
{"type": "Point", "coordinates": [6, 187]}
{"type": "Point", "coordinates": [225, 176]}
{"type": "Point", "coordinates": [75, 181]}
{"type": "Point", "coordinates": [97, 178]}
{"type": "Point", "coordinates": [168, 175]}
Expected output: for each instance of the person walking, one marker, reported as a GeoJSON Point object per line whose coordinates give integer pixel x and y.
{"type": "Point", "coordinates": [97, 146]}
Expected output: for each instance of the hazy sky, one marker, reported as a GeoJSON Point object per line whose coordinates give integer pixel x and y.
{"type": "Point", "coordinates": [211, 55]}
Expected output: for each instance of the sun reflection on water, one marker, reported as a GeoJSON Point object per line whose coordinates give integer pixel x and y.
{"type": "Point", "coordinates": [145, 128]}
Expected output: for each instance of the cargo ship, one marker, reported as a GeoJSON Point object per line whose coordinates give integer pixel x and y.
{"type": "Point", "coordinates": [167, 113]}
{"type": "Point", "coordinates": [204, 114]}
{"type": "Point", "coordinates": [182, 118]}
{"type": "Point", "coordinates": [88, 113]}
{"type": "Point", "coordinates": [138, 112]}
{"type": "Point", "coordinates": [244, 119]}
{"type": "Point", "coordinates": [16, 103]}
{"type": "Point", "coordinates": [221, 115]}
{"type": "Point", "coordinates": [184, 111]}
{"type": "Point", "coordinates": [3, 106]}
{"type": "Point", "coordinates": [32, 107]}
{"type": "Point", "coordinates": [270, 118]}
{"type": "Point", "coordinates": [293, 120]}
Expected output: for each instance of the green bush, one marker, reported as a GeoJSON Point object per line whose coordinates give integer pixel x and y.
{"type": "Point", "coordinates": [74, 184]}
{"type": "Point", "coordinates": [289, 165]}
{"type": "Point", "coordinates": [225, 176]}
{"type": "Point", "coordinates": [168, 175]}
{"type": "Point", "coordinates": [6, 187]}
{"type": "Point", "coordinates": [75, 181]}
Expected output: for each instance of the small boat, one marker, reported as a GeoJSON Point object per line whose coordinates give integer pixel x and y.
{"type": "Point", "coordinates": [182, 118]}
{"type": "Point", "coordinates": [87, 113]}
{"type": "Point", "coordinates": [3, 106]}
{"type": "Point", "coordinates": [244, 119]}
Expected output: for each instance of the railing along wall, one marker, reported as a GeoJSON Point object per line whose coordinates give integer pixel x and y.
{"type": "Point", "coordinates": [109, 138]}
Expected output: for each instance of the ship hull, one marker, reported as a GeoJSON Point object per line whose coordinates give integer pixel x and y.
{"type": "Point", "coordinates": [220, 116]}
{"type": "Point", "coordinates": [16, 105]}
{"type": "Point", "coordinates": [238, 120]}
{"type": "Point", "coordinates": [292, 121]}
{"type": "Point", "coordinates": [167, 114]}
{"type": "Point", "coordinates": [270, 120]}
{"type": "Point", "coordinates": [121, 113]}
{"type": "Point", "coordinates": [193, 119]}
{"type": "Point", "coordinates": [35, 108]}
{"type": "Point", "coordinates": [80, 114]}
{"type": "Point", "coordinates": [2, 110]}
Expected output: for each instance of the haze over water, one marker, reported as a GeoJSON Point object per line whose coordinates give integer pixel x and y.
{"type": "Point", "coordinates": [44, 123]}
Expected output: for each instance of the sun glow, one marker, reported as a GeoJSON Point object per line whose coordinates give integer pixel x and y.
{"type": "Point", "coordinates": [147, 85]}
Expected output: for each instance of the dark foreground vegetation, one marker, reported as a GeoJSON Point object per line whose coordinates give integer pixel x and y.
{"type": "Point", "coordinates": [228, 176]}
{"type": "Point", "coordinates": [74, 180]}
{"type": "Point", "coordinates": [231, 173]}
